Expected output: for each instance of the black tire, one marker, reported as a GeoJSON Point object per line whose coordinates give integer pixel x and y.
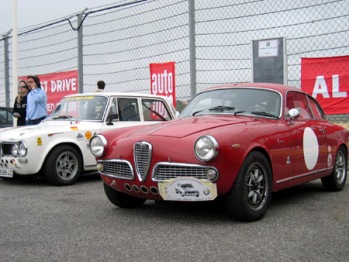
{"type": "Point", "coordinates": [336, 181]}
{"type": "Point", "coordinates": [250, 196]}
{"type": "Point", "coordinates": [63, 166]}
{"type": "Point", "coordinates": [122, 200]}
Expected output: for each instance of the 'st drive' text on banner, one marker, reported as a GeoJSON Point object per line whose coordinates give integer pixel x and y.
{"type": "Point", "coordinates": [327, 80]}
{"type": "Point", "coordinates": [58, 85]}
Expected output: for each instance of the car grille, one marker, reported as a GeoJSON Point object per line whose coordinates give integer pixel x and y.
{"type": "Point", "coordinates": [118, 168]}
{"type": "Point", "coordinates": [165, 171]}
{"type": "Point", "coordinates": [161, 172]}
{"type": "Point", "coordinates": [6, 148]}
{"type": "Point", "coordinates": [142, 155]}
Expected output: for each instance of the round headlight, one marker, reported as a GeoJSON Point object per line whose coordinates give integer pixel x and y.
{"type": "Point", "coordinates": [206, 148]}
{"type": "Point", "coordinates": [14, 149]}
{"type": "Point", "coordinates": [97, 145]}
{"type": "Point", "coordinates": [22, 149]}
{"type": "Point", "coordinates": [19, 149]}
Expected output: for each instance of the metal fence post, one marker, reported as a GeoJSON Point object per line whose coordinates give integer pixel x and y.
{"type": "Point", "coordinates": [80, 53]}
{"type": "Point", "coordinates": [7, 68]}
{"type": "Point", "coordinates": [192, 47]}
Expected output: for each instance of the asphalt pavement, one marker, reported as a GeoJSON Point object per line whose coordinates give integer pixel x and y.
{"type": "Point", "coordinates": [41, 222]}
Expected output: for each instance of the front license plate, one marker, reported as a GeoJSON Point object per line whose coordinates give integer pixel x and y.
{"type": "Point", "coordinates": [187, 189]}
{"type": "Point", "coordinates": [5, 172]}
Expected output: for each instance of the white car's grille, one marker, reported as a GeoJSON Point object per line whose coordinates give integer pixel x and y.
{"type": "Point", "coordinates": [6, 148]}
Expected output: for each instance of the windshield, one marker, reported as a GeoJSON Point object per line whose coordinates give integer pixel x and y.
{"type": "Point", "coordinates": [235, 101]}
{"type": "Point", "coordinates": [80, 108]}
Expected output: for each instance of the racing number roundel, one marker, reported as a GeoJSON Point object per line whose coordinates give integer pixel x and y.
{"type": "Point", "coordinates": [310, 148]}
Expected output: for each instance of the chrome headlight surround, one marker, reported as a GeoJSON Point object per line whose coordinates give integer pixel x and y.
{"type": "Point", "coordinates": [98, 144]}
{"type": "Point", "coordinates": [19, 149]}
{"type": "Point", "coordinates": [206, 148]}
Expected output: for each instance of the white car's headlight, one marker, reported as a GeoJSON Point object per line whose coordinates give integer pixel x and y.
{"type": "Point", "coordinates": [19, 149]}
{"type": "Point", "coordinates": [206, 148]}
{"type": "Point", "coordinates": [98, 144]}
{"type": "Point", "coordinates": [14, 149]}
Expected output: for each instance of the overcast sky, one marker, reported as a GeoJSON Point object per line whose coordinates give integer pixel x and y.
{"type": "Point", "coordinates": [36, 12]}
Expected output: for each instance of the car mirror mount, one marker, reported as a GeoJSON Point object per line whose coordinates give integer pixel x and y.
{"type": "Point", "coordinates": [111, 117]}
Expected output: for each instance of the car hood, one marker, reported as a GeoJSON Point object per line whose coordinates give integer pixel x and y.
{"type": "Point", "coordinates": [46, 127]}
{"type": "Point", "coordinates": [187, 126]}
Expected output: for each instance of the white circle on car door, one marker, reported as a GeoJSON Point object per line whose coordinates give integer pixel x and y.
{"type": "Point", "coordinates": [310, 148]}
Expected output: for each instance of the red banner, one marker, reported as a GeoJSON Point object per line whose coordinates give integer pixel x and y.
{"type": "Point", "coordinates": [58, 85]}
{"type": "Point", "coordinates": [327, 80]}
{"type": "Point", "coordinates": [162, 80]}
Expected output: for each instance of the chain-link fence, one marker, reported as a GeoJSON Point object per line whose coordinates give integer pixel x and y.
{"type": "Point", "coordinates": [210, 42]}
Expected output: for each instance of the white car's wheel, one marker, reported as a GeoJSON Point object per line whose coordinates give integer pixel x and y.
{"type": "Point", "coordinates": [63, 165]}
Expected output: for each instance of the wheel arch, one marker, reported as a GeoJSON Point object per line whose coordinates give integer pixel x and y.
{"type": "Point", "coordinates": [267, 156]}
{"type": "Point", "coordinates": [75, 146]}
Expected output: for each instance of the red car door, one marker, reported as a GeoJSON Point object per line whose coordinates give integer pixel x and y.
{"type": "Point", "coordinates": [309, 149]}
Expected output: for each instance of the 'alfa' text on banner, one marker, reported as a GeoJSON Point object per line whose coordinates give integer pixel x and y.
{"type": "Point", "coordinates": [327, 80]}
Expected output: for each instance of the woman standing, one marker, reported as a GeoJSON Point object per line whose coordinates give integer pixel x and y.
{"type": "Point", "coordinates": [20, 105]}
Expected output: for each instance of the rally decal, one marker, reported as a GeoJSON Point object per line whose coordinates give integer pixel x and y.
{"type": "Point", "coordinates": [39, 141]}
{"type": "Point", "coordinates": [310, 148]}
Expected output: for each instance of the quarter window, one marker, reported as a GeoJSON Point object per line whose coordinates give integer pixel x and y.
{"type": "Point", "coordinates": [299, 101]}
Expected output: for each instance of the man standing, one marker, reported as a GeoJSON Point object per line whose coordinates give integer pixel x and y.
{"type": "Point", "coordinates": [100, 85]}
{"type": "Point", "coordinates": [36, 101]}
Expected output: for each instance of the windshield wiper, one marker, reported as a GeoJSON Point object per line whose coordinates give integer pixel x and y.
{"type": "Point", "coordinates": [260, 113]}
{"type": "Point", "coordinates": [63, 117]}
{"type": "Point", "coordinates": [222, 108]}
{"type": "Point", "coordinates": [216, 108]}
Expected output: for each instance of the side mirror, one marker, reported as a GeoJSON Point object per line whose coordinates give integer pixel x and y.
{"type": "Point", "coordinates": [293, 113]}
{"type": "Point", "coordinates": [110, 119]}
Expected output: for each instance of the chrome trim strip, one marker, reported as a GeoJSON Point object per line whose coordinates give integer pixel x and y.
{"type": "Point", "coordinates": [116, 176]}
{"type": "Point", "coordinates": [181, 165]}
{"type": "Point", "coordinates": [303, 175]}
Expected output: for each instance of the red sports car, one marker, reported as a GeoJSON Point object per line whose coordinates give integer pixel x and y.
{"type": "Point", "coordinates": [239, 142]}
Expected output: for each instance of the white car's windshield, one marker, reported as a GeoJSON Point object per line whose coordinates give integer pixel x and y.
{"type": "Point", "coordinates": [235, 101]}
{"type": "Point", "coordinates": [80, 108]}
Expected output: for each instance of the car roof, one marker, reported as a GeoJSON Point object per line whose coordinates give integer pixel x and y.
{"type": "Point", "coordinates": [277, 87]}
{"type": "Point", "coordinates": [129, 94]}
{"type": "Point", "coordinates": [6, 107]}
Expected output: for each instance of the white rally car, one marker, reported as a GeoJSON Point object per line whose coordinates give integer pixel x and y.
{"type": "Point", "coordinates": [58, 147]}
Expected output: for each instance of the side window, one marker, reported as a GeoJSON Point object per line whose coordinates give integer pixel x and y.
{"type": "Point", "coordinates": [316, 109]}
{"type": "Point", "coordinates": [128, 109]}
{"type": "Point", "coordinates": [154, 110]}
{"type": "Point", "coordinates": [9, 117]}
{"type": "Point", "coordinates": [299, 101]}
{"type": "Point", "coordinates": [5, 117]}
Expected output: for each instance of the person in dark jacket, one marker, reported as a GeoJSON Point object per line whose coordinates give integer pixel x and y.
{"type": "Point", "coordinates": [20, 105]}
